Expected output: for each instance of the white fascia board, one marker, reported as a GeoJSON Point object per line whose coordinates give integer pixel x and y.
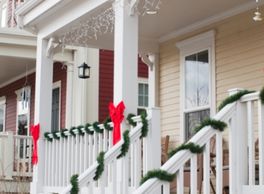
{"type": "Point", "coordinates": [208, 21]}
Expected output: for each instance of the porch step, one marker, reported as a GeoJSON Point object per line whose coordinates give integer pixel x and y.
{"type": "Point", "coordinates": [15, 186]}
{"type": "Point", "coordinates": [255, 189]}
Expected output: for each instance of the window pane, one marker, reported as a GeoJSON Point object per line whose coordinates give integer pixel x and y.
{"type": "Point", "coordinates": [143, 95]}
{"type": "Point", "coordinates": [22, 124]}
{"type": "Point", "coordinates": [2, 118]}
{"type": "Point", "coordinates": [55, 109]}
{"type": "Point", "coordinates": [197, 80]}
{"type": "Point", "coordinates": [140, 89]}
{"type": "Point", "coordinates": [192, 120]}
{"type": "Point", "coordinates": [140, 100]}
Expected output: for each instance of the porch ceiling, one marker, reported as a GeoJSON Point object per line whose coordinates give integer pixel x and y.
{"type": "Point", "coordinates": [174, 17]}
{"type": "Point", "coordinates": [13, 67]}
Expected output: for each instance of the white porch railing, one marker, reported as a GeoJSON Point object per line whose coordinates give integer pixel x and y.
{"type": "Point", "coordinates": [7, 13]}
{"type": "Point", "coordinates": [245, 128]}
{"type": "Point", "coordinates": [15, 156]}
{"type": "Point", "coordinates": [120, 176]}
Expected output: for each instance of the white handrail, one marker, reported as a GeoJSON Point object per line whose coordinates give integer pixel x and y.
{"type": "Point", "coordinates": [179, 159]}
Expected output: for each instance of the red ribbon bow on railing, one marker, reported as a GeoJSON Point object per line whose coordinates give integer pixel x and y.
{"type": "Point", "coordinates": [35, 135]}
{"type": "Point", "coordinates": [117, 116]}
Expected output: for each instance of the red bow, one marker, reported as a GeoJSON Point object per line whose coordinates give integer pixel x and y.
{"type": "Point", "coordinates": [117, 116]}
{"type": "Point", "coordinates": [35, 135]}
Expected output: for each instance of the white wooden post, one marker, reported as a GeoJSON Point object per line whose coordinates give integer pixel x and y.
{"type": "Point", "coordinates": [238, 159]}
{"type": "Point", "coordinates": [153, 141]}
{"type": "Point", "coordinates": [7, 155]}
{"type": "Point", "coordinates": [125, 56]}
{"type": "Point", "coordinates": [43, 99]}
{"type": "Point", "coordinates": [125, 67]}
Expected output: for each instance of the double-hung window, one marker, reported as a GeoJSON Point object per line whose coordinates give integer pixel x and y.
{"type": "Point", "coordinates": [142, 95]}
{"type": "Point", "coordinates": [197, 89]}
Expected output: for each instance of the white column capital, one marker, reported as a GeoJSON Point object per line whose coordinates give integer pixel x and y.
{"type": "Point", "coordinates": [131, 5]}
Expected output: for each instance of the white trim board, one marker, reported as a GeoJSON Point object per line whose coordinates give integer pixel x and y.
{"type": "Point", "coordinates": [210, 20]}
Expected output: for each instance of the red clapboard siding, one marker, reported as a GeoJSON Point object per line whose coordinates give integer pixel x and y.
{"type": "Point", "coordinates": [9, 92]}
{"type": "Point", "coordinates": [106, 80]}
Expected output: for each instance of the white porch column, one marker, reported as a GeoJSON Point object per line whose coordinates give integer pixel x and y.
{"type": "Point", "coordinates": [125, 71]}
{"type": "Point", "coordinates": [126, 56]}
{"type": "Point", "coordinates": [43, 99]}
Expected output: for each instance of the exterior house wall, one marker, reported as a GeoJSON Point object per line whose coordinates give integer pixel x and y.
{"type": "Point", "coordinates": [239, 59]}
{"type": "Point", "coordinates": [106, 73]}
{"type": "Point", "coordinates": [11, 97]}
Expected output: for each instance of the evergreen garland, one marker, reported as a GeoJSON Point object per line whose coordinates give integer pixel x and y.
{"type": "Point", "coordinates": [63, 133]}
{"type": "Point", "coordinates": [100, 167]}
{"type": "Point", "coordinates": [261, 95]}
{"type": "Point", "coordinates": [144, 129]}
{"type": "Point", "coordinates": [106, 125]}
{"type": "Point", "coordinates": [87, 130]}
{"type": "Point", "coordinates": [97, 128]}
{"type": "Point", "coordinates": [46, 135]}
{"type": "Point", "coordinates": [233, 98]}
{"type": "Point", "coordinates": [125, 145]}
{"type": "Point", "coordinates": [80, 131]}
{"type": "Point", "coordinates": [159, 174]}
{"type": "Point", "coordinates": [218, 125]}
{"type": "Point", "coordinates": [74, 183]}
{"type": "Point", "coordinates": [55, 135]}
{"type": "Point", "coordinates": [72, 131]}
{"type": "Point", "coordinates": [130, 120]}
{"type": "Point", "coordinates": [195, 149]}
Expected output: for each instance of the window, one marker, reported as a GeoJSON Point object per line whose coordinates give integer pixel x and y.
{"type": "Point", "coordinates": [55, 119]}
{"type": "Point", "coordinates": [197, 81]}
{"type": "Point", "coordinates": [23, 110]}
{"type": "Point", "coordinates": [142, 95]}
{"type": "Point", "coordinates": [2, 114]}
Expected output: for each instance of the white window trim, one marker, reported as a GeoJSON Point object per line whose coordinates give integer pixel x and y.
{"type": "Point", "coordinates": [29, 110]}
{"type": "Point", "coordinates": [3, 102]}
{"type": "Point", "coordinates": [142, 80]}
{"type": "Point", "coordinates": [55, 86]}
{"type": "Point", "coordinates": [205, 41]}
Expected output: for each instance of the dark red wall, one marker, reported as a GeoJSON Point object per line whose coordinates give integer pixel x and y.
{"type": "Point", "coordinates": [9, 92]}
{"type": "Point", "coordinates": [106, 80]}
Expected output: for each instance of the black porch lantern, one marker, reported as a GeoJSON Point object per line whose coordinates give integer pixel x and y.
{"type": "Point", "coordinates": [84, 71]}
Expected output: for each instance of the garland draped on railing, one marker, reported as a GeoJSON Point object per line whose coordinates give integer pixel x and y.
{"type": "Point", "coordinates": [74, 184]}
{"type": "Point", "coordinates": [233, 98]}
{"type": "Point", "coordinates": [194, 148]}
{"type": "Point", "coordinates": [100, 158]}
{"type": "Point", "coordinates": [218, 125]}
{"type": "Point", "coordinates": [159, 174]}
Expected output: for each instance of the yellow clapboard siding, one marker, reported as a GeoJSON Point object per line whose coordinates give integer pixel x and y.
{"type": "Point", "coordinates": [239, 49]}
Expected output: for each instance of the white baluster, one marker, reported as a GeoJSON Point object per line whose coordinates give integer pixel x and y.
{"type": "Point", "coordinates": [261, 141]}
{"type": "Point", "coordinates": [219, 163]}
{"type": "Point", "coordinates": [194, 174]}
{"type": "Point", "coordinates": [166, 188]}
{"type": "Point", "coordinates": [180, 181]}
{"type": "Point", "coordinates": [251, 143]}
{"type": "Point", "coordinates": [206, 168]}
